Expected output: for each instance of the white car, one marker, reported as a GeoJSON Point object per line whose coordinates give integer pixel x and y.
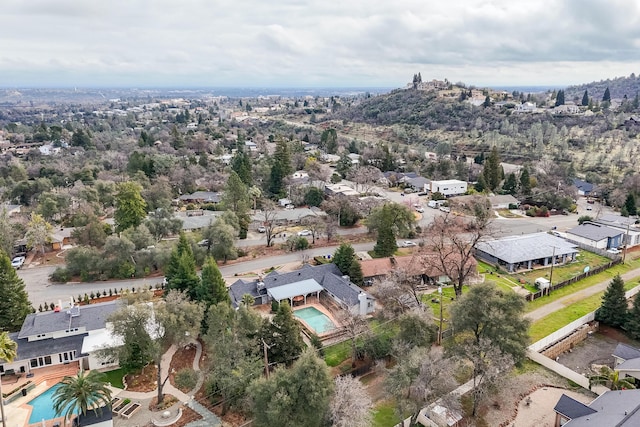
{"type": "Point", "coordinates": [614, 251]}
{"type": "Point", "coordinates": [262, 229]}
{"type": "Point", "coordinates": [408, 244]}
{"type": "Point", "coordinates": [420, 209]}
{"type": "Point", "coordinates": [18, 262]}
{"type": "Point", "coordinates": [304, 233]}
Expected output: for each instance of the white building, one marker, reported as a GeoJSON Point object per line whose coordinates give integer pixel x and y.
{"type": "Point", "coordinates": [449, 187]}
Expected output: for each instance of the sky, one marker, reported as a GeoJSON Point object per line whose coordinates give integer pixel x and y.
{"type": "Point", "coordinates": [315, 43]}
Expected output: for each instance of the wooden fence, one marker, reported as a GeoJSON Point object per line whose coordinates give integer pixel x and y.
{"type": "Point", "coordinates": [574, 279]}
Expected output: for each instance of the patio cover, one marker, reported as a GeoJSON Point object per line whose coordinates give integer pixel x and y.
{"type": "Point", "coordinates": [291, 290]}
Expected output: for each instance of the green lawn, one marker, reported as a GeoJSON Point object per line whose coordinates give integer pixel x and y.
{"type": "Point", "coordinates": [337, 353]}
{"type": "Point", "coordinates": [565, 272]}
{"type": "Point", "coordinates": [556, 320]}
{"type": "Point", "coordinates": [115, 377]}
{"type": "Point", "coordinates": [384, 415]}
{"type": "Point", "coordinates": [607, 275]}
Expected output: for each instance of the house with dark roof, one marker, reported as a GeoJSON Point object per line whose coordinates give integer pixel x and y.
{"type": "Point", "coordinates": [200, 197]}
{"type": "Point", "coordinates": [526, 251]}
{"type": "Point", "coordinates": [584, 188]}
{"type": "Point", "coordinates": [57, 337]}
{"type": "Point", "coordinates": [627, 361]}
{"type": "Point", "coordinates": [305, 285]}
{"type": "Point", "coordinates": [596, 235]}
{"type": "Point", "coordinates": [104, 418]}
{"type": "Point", "coordinates": [616, 408]}
{"type": "Point", "coordinates": [425, 267]}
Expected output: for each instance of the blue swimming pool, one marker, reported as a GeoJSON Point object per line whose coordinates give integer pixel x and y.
{"type": "Point", "coordinates": [43, 406]}
{"type": "Point", "coordinates": [315, 319]}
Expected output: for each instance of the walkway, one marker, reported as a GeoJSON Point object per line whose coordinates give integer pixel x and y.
{"type": "Point", "coordinates": [209, 419]}
{"type": "Point", "coordinates": [567, 300]}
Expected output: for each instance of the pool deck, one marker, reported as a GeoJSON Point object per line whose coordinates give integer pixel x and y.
{"type": "Point", "coordinates": [324, 310]}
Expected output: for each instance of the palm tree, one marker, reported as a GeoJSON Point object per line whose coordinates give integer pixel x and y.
{"type": "Point", "coordinates": [611, 379]}
{"type": "Point", "coordinates": [8, 352]}
{"type": "Point", "coordinates": [77, 394]}
{"type": "Point", "coordinates": [248, 300]}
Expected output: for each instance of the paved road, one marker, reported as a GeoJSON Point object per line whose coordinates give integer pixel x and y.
{"type": "Point", "coordinates": [577, 296]}
{"type": "Point", "coordinates": [40, 290]}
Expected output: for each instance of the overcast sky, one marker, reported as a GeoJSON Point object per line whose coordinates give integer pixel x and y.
{"type": "Point", "coordinates": [296, 43]}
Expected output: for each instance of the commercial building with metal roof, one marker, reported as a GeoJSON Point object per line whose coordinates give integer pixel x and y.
{"type": "Point", "coordinates": [527, 251]}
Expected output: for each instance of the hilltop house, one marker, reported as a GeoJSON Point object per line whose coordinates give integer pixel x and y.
{"type": "Point", "coordinates": [306, 284]}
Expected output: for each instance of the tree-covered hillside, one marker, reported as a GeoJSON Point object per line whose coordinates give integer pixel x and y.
{"type": "Point", "coordinates": [619, 87]}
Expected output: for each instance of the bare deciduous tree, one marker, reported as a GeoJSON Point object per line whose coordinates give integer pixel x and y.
{"type": "Point", "coordinates": [420, 377]}
{"type": "Point", "coordinates": [350, 405]}
{"type": "Point", "coordinates": [316, 225]}
{"type": "Point", "coordinates": [454, 238]}
{"type": "Point", "coordinates": [365, 178]}
{"type": "Point", "coordinates": [353, 325]}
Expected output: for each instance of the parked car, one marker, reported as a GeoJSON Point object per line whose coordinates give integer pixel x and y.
{"type": "Point", "coordinates": [614, 251]}
{"type": "Point", "coordinates": [589, 208]}
{"type": "Point", "coordinates": [18, 262]}
{"type": "Point", "coordinates": [408, 244]}
{"type": "Point", "coordinates": [204, 242]}
{"type": "Point", "coordinates": [420, 209]}
{"type": "Point", "coordinates": [304, 233]}
{"type": "Point", "coordinates": [445, 209]}
{"type": "Point", "coordinates": [262, 229]}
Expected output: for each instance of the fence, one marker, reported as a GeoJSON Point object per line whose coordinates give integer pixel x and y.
{"type": "Point", "coordinates": [574, 279]}
{"type": "Point", "coordinates": [562, 332]}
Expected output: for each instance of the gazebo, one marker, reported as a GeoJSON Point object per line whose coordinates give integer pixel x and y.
{"type": "Point", "coordinates": [303, 289]}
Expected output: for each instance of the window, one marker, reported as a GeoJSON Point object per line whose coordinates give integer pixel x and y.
{"type": "Point", "coordinates": [33, 363]}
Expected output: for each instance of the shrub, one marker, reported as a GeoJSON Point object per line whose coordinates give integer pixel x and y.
{"type": "Point", "coordinates": [186, 379]}
{"type": "Point", "coordinates": [60, 275]}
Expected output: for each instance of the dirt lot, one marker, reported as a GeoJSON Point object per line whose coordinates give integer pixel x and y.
{"type": "Point", "coordinates": [183, 358]}
{"type": "Point", "coordinates": [596, 349]}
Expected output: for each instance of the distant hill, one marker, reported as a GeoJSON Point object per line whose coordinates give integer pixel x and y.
{"type": "Point", "coordinates": [618, 87]}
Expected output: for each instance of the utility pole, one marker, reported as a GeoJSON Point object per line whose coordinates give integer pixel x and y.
{"type": "Point", "coordinates": [266, 358]}
{"type": "Point", "coordinates": [440, 328]}
{"type": "Point", "coordinates": [553, 261]}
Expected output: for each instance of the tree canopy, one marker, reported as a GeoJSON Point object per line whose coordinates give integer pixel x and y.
{"type": "Point", "coordinates": [14, 301]}
{"type": "Point", "coordinates": [613, 310]}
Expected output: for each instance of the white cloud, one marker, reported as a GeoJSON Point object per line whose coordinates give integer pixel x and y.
{"type": "Point", "coordinates": [313, 42]}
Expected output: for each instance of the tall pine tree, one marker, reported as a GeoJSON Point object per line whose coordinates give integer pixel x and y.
{"type": "Point", "coordinates": [212, 289]}
{"type": "Point", "coordinates": [14, 301]}
{"type": "Point", "coordinates": [492, 170]}
{"type": "Point", "coordinates": [585, 99]}
{"type": "Point", "coordinates": [633, 321]}
{"type": "Point", "coordinates": [613, 310]}
{"type": "Point", "coordinates": [282, 336]}
{"type": "Point", "coordinates": [607, 95]}
{"type": "Point", "coordinates": [280, 167]}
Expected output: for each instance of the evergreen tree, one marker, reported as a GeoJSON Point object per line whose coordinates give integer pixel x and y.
{"type": "Point", "coordinates": [387, 160]}
{"type": "Point", "coordinates": [181, 248]}
{"type": "Point", "coordinates": [607, 95]}
{"type": "Point", "coordinates": [236, 194]}
{"type": "Point", "coordinates": [131, 208]}
{"type": "Point", "coordinates": [241, 164]}
{"type": "Point", "coordinates": [280, 167]}
{"type": "Point", "coordinates": [344, 165]}
{"type": "Point", "coordinates": [296, 397]}
{"type": "Point", "coordinates": [585, 99]}
{"type": "Point", "coordinates": [560, 98]}
{"type": "Point", "coordinates": [487, 102]}
{"type": "Point", "coordinates": [386, 244]}
{"type": "Point", "coordinates": [630, 204]}
{"type": "Point", "coordinates": [14, 301]}
{"type": "Point", "coordinates": [481, 184]}
{"type": "Point", "coordinates": [613, 310]}
{"type": "Point", "coordinates": [343, 257]}
{"type": "Point", "coordinates": [525, 181]}
{"type": "Point", "coordinates": [355, 273]}
{"type": "Point", "coordinates": [185, 277]}
{"type": "Point", "coordinates": [329, 140]}
{"type": "Point", "coordinates": [282, 336]}
{"type": "Point", "coordinates": [212, 289]}
{"type": "Point", "coordinates": [510, 185]}
{"type": "Point", "coordinates": [492, 170]}
{"type": "Point", "coordinates": [633, 320]}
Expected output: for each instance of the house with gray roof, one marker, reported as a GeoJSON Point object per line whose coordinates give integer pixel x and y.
{"type": "Point", "coordinates": [527, 251]}
{"type": "Point", "coordinates": [627, 361]}
{"type": "Point", "coordinates": [596, 235]}
{"type": "Point", "coordinates": [628, 225]}
{"type": "Point", "coordinates": [288, 216]}
{"type": "Point", "coordinates": [56, 337]}
{"type": "Point", "coordinates": [584, 188]}
{"type": "Point", "coordinates": [305, 284]}
{"type": "Point", "coordinates": [616, 408]}
{"type": "Point", "coordinates": [200, 197]}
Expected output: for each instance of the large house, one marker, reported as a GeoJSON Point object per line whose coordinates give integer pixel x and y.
{"type": "Point", "coordinates": [305, 285]}
{"type": "Point", "coordinates": [424, 267]}
{"type": "Point", "coordinates": [616, 408]}
{"type": "Point", "coordinates": [57, 337]}
{"type": "Point", "coordinates": [527, 251]}
{"type": "Point", "coordinates": [625, 224]}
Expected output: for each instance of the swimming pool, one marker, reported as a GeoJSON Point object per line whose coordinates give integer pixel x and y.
{"type": "Point", "coordinates": [315, 319]}
{"type": "Point", "coordinates": [43, 406]}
